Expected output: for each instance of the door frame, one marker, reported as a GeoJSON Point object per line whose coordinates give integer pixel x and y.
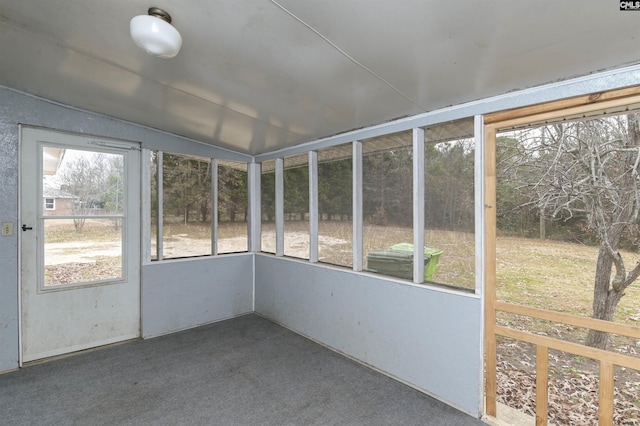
{"type": "Point", "coordinates": [105, 141]}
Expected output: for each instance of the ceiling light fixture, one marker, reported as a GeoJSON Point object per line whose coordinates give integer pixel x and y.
{"type": "Point", "coordinates": [155, 34]}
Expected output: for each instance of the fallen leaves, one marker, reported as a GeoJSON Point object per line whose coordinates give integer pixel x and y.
{"type": "Point", "coordinates": [573, 395]}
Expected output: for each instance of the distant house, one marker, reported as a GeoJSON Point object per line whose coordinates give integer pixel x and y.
{"type": "Point", "coordinates": [56, 202]}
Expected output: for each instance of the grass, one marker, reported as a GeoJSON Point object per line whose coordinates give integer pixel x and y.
{"type": "Point", "coordinates": [558, 276]}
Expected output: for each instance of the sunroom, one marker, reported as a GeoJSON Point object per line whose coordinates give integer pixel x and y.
{"type": "Point", "coordinates": [465, 223]}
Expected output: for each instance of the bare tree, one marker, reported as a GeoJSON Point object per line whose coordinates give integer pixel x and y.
{"type": "Point", "coordinates": [95, 182]}
{"type": "Point", "coordinates": [590, 169]}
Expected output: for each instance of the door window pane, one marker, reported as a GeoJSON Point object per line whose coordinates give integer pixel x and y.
{"type": "Point", "coordinates": [83, 212]}
{"type": "Point", "coordinates": [82, 183]}
{"type": "Point", "coordinates": [92, 254]}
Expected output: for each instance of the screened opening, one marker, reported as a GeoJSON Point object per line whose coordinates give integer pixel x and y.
{"type": "Point", "coordinates": [186, 204]}
{"type": "Point", "coordinates": [449, 210]}
{"type": "Point", "coordinates": [566, 246]}
{"type": "Point", "coordinates": [335, 205]}
{"type": "Point", "coordinates": [296, 206]}
{"type": "Point", "coordinates": [233, 205]}
{"type": "Point", "coordinates": [388, 204]}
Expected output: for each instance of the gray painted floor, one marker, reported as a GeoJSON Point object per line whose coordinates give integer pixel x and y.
{"type": "Point", "coordinates": [244, 371]}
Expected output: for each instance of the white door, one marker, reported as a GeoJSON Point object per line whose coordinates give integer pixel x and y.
{"type": "Point", "coordinates": [80, 254]}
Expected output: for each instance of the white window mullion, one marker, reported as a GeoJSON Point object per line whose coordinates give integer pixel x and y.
{"type": "Point", "coordinates": [313, 206]}
{"type": "Point", "coordinates": [418, 205]}
{"type": "Point", "coordinates": [160, 197]}
{"type": "Point", "coordinates": [358, 247]}
{"type": "Point", "coordinates": [279, 207]}
{"type": "Point", "coordinates": [255, 213]}
{"type": "Point", "coordinates": [145, 196]}
{"type": "Point", "coordinates": [214, 206]}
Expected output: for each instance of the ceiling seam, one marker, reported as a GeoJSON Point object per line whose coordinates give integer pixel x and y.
{"type": "Point", "coordinates": [346, 55]}
{"type": "Point", "coordinates": [116, 65]}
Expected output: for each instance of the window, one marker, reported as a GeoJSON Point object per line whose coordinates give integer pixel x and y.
{"type": "Point", "coordinates": [49, 203]}
{"type": "Point", "coordinates": [388, 204]}
{"type": "Point", "coordinates": [183, 214]}
{"type": "Point", "coordinates": [449, 211]}
{"type": "Point", "coordinates": [232, 207]}
{"type": "Point", "coordinates": [186, 206]}
{"type": "Point", "coordinates": [335, 205]}
{"type": "Point", "coordinates": [268, 206]}
{"type": "Point", "coordinates": [296, 206]}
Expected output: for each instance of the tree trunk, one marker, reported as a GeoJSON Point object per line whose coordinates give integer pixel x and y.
{"type": "Point", "coordinates": [605, 300]}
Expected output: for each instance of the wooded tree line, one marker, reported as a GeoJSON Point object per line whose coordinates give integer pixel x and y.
{"type": "Point", "coordinates": [387, 188]}
{"type": "Point", "coordinates": [187, 186]}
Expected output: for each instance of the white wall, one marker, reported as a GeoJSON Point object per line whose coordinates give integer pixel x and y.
{"type": "Point", "coordinates": [180, 294]}
{"type": "Point", "coordinates": [429, 338]}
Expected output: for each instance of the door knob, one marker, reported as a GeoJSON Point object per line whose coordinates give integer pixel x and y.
{"type": "Point", "coordinates": [25, 227]}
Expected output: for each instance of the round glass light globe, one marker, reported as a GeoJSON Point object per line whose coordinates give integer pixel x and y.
{"type": "Point", "coordinates": [155, 36]}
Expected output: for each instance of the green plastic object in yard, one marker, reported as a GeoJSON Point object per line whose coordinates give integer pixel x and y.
{"type": "Point", "coordinates": [431, 257]}
{"type": "Point", "coordinates": [396, 263]}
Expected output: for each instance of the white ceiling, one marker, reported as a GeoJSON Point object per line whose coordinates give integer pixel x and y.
{"type": "Point", "coordinates": [258, 75]}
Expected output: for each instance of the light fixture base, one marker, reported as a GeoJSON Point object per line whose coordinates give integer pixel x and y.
{"type": "Point", "coordinates": [159, 13]}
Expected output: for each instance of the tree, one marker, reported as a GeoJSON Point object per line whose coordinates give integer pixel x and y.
{"type": "Point", "coordinates": [589, 169]}
{"type": "Point", "coordinates": [232, 193]}
{"type": "Point", "coordinates": [335, 187]}
{"type": "Point", "coordinates": [95, 181]}
{"type": "Point", "coordinates": [268, 195]}
{"type": "Point", "coordinates": [187, 186]}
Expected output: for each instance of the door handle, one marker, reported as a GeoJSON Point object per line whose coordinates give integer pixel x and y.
{"type": "Point", "coordinates": [26, 228]}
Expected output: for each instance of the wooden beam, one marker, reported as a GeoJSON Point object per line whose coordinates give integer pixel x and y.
{"type": "Point", "coordinates": [490, 269]}
{"type": "Point", "coordinates": [559, 106]}
{"type": "Point", "coordinates": [570, 347]}
{"type": "Point", "coordinates": [585, 322]}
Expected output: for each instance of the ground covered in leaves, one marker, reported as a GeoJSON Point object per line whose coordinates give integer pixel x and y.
{"type": "Point", "coordinates": [573, 387]}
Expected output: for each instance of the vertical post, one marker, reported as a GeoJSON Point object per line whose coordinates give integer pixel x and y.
{"type": "Point", "coordinates": [145, 195]}
{"type": "Point", "coordinates": [313, 206]}
{"type": "Point", "coordinates": [479, 189]}
{"type": "Point", "coordinates": [605, 398]}
{"type": "Point", "coordinates": [356, 162]}
{"type": "Point", "coordinates": [490, 268]}
{"type": "Point", "coordinates": [255, 213]}
{"type": "Point", "coordinates": [214, 206]}
{"type": "Point", "coordinates": [480, 240]}
{"type": "Point", "coordinates": [279, 207]}
{"type": "Point", "coordinates": [160, 222]}
{"type": "Point", "coordinates": [542, 385]}
{"type": "Point", "coordinates": [418, 205]}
